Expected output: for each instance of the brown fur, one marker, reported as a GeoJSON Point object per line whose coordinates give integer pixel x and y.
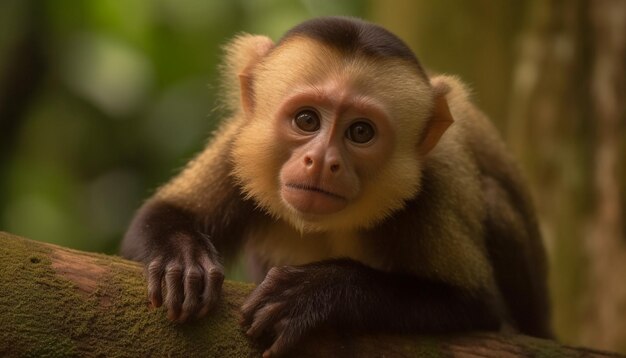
{"type": "Point", "coordinates": [444, 224]}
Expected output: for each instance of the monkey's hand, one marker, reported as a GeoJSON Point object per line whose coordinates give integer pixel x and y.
{"type": "Point", "coordinates": [294, 301]}
{"type": "Point", "coordinates": [188, 274]}
{"type": "Point", "coordinates": [291, 302]}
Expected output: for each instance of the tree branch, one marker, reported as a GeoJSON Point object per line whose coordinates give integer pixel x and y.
{"type": "Point", "coordinates": [56, 301]}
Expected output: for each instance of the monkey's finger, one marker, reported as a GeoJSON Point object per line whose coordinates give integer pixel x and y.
{"type": "Point", "coordinates": [285, 341]}
{"type": "Point", "coordinates": [174, 286]}
{"type": "Point", "coordinates": [265, 317]}
{"type": "Point", "coordinates": [212, 288]}
{"type": "Point", "coordinates": [193, 281]}
{"type": "Point", "coordinates": [155, 278]}
{"type": "Point", "coordinates": [258, 297]}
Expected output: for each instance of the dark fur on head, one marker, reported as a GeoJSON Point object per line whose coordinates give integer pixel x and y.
{"type": "Point", "coordinates": [355, 37]}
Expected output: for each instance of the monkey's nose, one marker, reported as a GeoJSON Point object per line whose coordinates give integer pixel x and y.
{"type": "Point", "coordinates": [325, 163]}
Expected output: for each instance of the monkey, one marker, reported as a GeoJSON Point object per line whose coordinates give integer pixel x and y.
{"type": "Point", "coordinates": [364, 193]}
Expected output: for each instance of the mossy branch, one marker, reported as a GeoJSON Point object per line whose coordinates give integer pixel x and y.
{"type": "Point", "coordinates": [60, 302]}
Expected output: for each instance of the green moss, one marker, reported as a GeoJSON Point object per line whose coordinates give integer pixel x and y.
{"type": "Point", "coordinates": [33, 302]}
{"type": "Point", "coordinates": [45, 314]}
{"type": "Point", "coordinates": [49, 316]}
{"type": "Point", "coordinates": [540, 348]}
{"type": "Point", "coordinates": [427, 347]}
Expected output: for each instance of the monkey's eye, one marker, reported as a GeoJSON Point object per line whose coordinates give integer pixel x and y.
{"type": "Point", "coordinates": [360, 132]}
{"type": "Point", "coordinates": [307, 120]}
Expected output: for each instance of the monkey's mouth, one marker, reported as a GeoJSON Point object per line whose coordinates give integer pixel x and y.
{"type": "Point", "coordinates": [315, 189]}
{"type": "Point", "coordinates": [310, 199]}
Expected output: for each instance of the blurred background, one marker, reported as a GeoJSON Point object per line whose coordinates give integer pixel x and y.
{"type": "Point", "coordinates": [101, 101]}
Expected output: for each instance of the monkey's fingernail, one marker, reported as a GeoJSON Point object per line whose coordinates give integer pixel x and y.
{"type": "Point", "coordinates": [267, 354]}
{"type": "Point", "coordinates": [182, 318]}
{"type": "Point", "coordinates": [172, 316]}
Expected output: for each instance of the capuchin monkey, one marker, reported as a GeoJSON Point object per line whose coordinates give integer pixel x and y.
{"type": "Point", "coordinates": [364, 193]}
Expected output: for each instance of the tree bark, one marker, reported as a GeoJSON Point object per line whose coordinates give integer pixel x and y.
{"type": "Point", "coordinates": [567, 126]}
{"type": "Point", "coordinates": [61, 302]}
{"type": "Point", "coordinates": [606, 240]}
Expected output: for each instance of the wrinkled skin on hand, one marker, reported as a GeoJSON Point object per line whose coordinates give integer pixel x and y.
{"type": "Point", "coordinates": [187, 281]}
{"type": "Point", "coordinates": [291, 302]}
{"type": "Point", "coordinates": [294, 301]}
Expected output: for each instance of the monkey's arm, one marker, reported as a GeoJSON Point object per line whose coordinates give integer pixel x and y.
{"type": "Point", "coordinates": [178, 233]}
{"type": "Point", "coordinates": [344, 293]}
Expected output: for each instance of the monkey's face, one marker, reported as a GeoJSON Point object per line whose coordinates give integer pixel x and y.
{"type": "Point", "coordinates": [332, 142]}
{"type": "Point", "coordinates": [335, 137]}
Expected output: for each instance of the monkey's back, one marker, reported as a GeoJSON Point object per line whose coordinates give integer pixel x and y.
{"type": "Point", "coordinates": [512, 235]}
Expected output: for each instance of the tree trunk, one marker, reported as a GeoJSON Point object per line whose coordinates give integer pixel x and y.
{"type": "Point", "coordinates": [61, 302]}
{"type": "Point", "coordinates": [606, 242]}
{"type": "Point", "coordinates": [547, 127]}
{"type": "Point", "coordinates": [567, 125]}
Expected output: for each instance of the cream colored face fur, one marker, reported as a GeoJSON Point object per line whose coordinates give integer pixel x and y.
{"type": "Point", "coordinates": [304, 63]}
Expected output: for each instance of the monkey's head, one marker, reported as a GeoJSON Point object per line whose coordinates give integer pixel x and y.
{"type": "Point", "coordinates": [338, 118]}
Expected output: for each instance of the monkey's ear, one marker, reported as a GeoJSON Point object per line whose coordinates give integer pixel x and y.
{"type": "Point", "coordinates": [440, 119]}
{"type": "Point", "coordinates": [242, 54]}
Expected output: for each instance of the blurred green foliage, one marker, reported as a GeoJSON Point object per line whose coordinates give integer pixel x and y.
{"type": "Point", "coordinates": [101, 101]}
